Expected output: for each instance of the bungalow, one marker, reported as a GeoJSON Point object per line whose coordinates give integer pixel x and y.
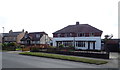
{"type": "Point", "coordinates": [38, 39]}
{"type": "Point", "coordinates": [80, 36]}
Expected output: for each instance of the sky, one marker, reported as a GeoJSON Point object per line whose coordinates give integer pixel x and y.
{"type": "Point", "coordinates": [52, 15]}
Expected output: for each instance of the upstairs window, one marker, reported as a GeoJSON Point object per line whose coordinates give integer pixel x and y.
{"type": "Point", "coordinates": [37, 35]}
{"type": "Point", "coordinates": [70, 34]}
{"type": "Point", "coordinates": [81, 34]}
{"type": "Point", "coordinates": [6, 38]}
{"type": "Point", "coordinates": [58, 35]}
{"type": "Point", "coordinates": [54, 35]}
{"type": "Point", "coordinates": [91, 34]}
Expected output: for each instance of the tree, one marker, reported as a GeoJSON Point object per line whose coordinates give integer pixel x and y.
{"type": "Point", "coordinates": [107, 37]}
{"type": "Point", "coordinates": [11, 44]}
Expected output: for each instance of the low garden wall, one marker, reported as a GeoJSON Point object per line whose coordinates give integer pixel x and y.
{"type": "Point", "coordinates": [84, 53]}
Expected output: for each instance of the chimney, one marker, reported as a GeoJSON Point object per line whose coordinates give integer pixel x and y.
{"type": "Point", "coordinates": [77, 23]}
{"type": "Point", "coordinates": [23, 30]}
{"type": "Point", "coordinates": [10, 31]}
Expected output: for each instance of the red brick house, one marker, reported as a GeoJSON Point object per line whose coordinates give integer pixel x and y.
{"type": "Point", "coordinates": [81, 36]}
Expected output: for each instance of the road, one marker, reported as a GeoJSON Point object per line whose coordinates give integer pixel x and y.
{"type": "Point", "coordinates": [14, 60]}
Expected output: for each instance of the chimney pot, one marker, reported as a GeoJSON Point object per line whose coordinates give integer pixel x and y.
{"type": "Point", "coordinates": [77, 23]}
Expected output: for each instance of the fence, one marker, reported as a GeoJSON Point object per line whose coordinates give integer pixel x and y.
{"type": "Point", "coordinates": [103, 55]}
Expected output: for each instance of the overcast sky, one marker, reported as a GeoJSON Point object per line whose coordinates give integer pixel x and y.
{"type": "Point", "coordinates": [52, 15]}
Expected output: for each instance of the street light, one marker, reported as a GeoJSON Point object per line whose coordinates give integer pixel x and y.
{"type": "Point", "coordinates": [3, 29]}
{"type": "Point", "coordinates": [3, 35]}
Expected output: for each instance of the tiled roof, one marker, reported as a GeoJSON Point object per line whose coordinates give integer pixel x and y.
{"type": "Point", "coordinates": [78, 28]}
{"type": "Point", "coordinates": [32, 36]}
{"type": "Point", "coordinates": [37, 33]}
{"type": "Point", "coordinates": [11, 34]}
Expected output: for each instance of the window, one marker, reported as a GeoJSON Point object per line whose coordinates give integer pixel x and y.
{"type": "Point", "coordinates": [14, 38]}
{"type": "Point", "coordinates": [38, 42]}
{"type": "Point", "coordinates": [81, 34]}
{"type": "Point", "coordinates": [70, 34]}
{"type": "Point", "coordinates": [91, 34]}
{"type": "Point", "coordinates": [33, 42]}
{"type": "Point", "coordinates": [6, 38]}
{"type": "Point", "coordinates": [67, 43]}
{"type": "Point", "coordinates": [58, 35]}
{"type": "Point", "coordinates": [54, 35]}
{"type": "Point", "coordinates": [80, 43]}
{"type": "Point", "coordinates": [37, 35]}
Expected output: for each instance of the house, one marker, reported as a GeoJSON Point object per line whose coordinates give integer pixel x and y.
{"type": "Point", "coordinates": [80, 36]}
{"type": "Point", "coordinates": [13, 37]}
{"type": "Point", "coordinates": [35, 39]}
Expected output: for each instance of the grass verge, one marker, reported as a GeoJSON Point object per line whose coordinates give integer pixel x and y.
{"type": "Point", "coordinates": [71, 58]}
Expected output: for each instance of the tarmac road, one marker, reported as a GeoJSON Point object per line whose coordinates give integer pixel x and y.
{"type": "Point", "coordinates": [13, 60]}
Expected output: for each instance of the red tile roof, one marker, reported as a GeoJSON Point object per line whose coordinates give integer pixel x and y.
{"type": "Point", "coordinates": [86, 28]}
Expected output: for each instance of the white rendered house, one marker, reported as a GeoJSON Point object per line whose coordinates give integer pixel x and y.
{"type": "Point", "coordinates": [81, 36]}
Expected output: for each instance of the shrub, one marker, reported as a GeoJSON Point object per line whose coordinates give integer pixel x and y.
{"type": "Point", "coordinates": [8, 46]}
{"type": "Point", "coordinates": [61, 46]}
{"type": "Point", "coordinates": [34, 49]}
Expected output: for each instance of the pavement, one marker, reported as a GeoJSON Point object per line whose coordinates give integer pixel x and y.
{"type": "Point", "coordinates": [52, 63]}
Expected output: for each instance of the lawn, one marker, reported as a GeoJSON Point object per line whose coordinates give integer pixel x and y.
{"type": "Point", "coordinates": [64, 57]}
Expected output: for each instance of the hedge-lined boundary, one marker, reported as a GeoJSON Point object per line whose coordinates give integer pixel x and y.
{"type": "Point", "coordinates": [71, 58]}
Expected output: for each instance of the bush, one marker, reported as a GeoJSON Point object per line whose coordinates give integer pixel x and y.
{"type": "Point", "coordinates": [9, 46]}
{"type": "Point", "coordinates": [34, 49]}
{"type": "Point", "coordinates": [61, 46]}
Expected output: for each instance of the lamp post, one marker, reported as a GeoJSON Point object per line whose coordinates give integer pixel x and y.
{"type": "Point", "coordinates": [3, 29]}
{"type": "Point", "coordinates": [3, 35]}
